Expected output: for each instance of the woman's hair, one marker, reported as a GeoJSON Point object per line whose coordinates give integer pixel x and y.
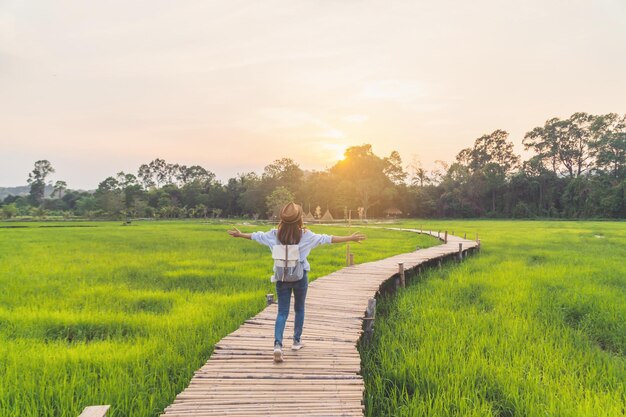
{"type": "Point", "coordinates": [290, 233]}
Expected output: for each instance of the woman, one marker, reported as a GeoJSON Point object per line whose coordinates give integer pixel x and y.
{"type": "Point", "coordinates": [291, 231]}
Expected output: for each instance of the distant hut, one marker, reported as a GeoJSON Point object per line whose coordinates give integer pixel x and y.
{"type": "Point", "coordinates": [308, 217]}
{"type": "Point", "coordinates": [327, 216]}
{"type": "Point", "coordinates": [392, 212]}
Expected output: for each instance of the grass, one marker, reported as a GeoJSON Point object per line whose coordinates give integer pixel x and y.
{"type": "Point", "coordinates": [123, 315]}
{"type": "Point", "coordinates": [535, 325]}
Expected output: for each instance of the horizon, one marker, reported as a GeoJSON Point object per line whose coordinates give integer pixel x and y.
{"type": "Point", "coordinates": [102, 88]}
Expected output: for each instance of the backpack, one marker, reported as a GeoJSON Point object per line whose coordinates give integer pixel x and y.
{"type": "Point", "coordinates": [287, 265]}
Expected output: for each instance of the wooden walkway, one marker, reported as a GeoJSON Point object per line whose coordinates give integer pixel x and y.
{"type": "Point", "coordinates": [323, 379]}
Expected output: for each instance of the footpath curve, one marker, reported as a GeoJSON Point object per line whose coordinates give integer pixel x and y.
{"type": "Point", "coordinates": [323, 379]}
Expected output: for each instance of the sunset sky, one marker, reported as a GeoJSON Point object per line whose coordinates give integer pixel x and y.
{"type": "Point", "coordinates": [101, 87]}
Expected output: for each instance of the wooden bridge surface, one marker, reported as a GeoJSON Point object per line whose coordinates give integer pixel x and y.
{"type": "Point", "coordinates": [322, 379]}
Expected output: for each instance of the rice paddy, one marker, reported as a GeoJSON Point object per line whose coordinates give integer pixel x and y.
{"type": "Point", "coordinates": [532, 326]}
{"type": "Point", "coordinates": [123, 315]}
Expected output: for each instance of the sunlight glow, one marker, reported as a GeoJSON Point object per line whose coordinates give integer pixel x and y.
{"type": "Point", "coordinates": [335, 151]}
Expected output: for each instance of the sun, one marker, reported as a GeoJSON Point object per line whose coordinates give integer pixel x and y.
{"type": "Point", "coordinates": [334, 151]}
{"type": "Point", "coordinates": [338, 151]}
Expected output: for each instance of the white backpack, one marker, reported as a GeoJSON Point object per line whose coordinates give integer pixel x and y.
{"type": "Point", "coordinates": [287, 265]}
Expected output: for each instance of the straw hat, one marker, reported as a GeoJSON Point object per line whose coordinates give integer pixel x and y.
{"type": "Point", "coordinates": [291, 213]}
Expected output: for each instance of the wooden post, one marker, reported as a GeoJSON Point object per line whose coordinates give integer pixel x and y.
{"type": "Point", "coordinates": [370, 315]}
{"type": "Point", "coordinates": [476, 237]}
{"type": "Point", "coordinates": [422, 229]}
{"type": "Point", "coordinates": [465, 235]}
{"type": "Point", "coordinates": [438, 233]}
{"type": "Point", "coordinates": [349, 218]}
{"type": "Point", "coordinates": [452, 233]}
{"type": "Point", "coordinates": [347, 254]}
{"type": "Point", "coordinates": [95, 411]}
{"type": "Point", "coordinates": [445, 239]}
{"type": "Point", "coordinates": [402, 275]}
{"type": "Point", "coordinates": [352, 259]}
{"type": "Point", "coordinates": [478, 245]}
{"type": "Point", "coordinates": [460, 252]}
{"type": "Point", "coordinates": [269, 299]}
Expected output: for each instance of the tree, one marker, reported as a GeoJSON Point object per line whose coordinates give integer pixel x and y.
{"type": "Point", "coordinates": [131, 192]}
{"type": "Point", "coordinates": [159, 170]}
{"type": "Point", "coordinates": [418, 176]}
{"type": "Point", "coordinates": [86, 204]}
{"type": "Point", "coordinates": [322, 188]}
{"type": "Point", "coordinates": [565, 146]}
{"type": "Point", "coordinates": [9, 210]}
{"type": "Point", "coordinates": [361, 174]}
{"type": "Point", "coordinates": [393, 168]}
{"type": "Point", "coordinates": [489, 162]}
{"type": "Point", "coordinates": [109, 196]}
{"type": "Point", "coordinates": [277, 199]}
{"type": "Point", "coordinates": [282, 172]}
{"type": "Point", "coordinates": [59, 188]}
{"type": "Point", "coordinates": [37, 180]}
{"type": "Point", "coordinates": [39, 212]}
{"type": "Point", "coordinates": [460, 192]}
{"type": "Point", "coordinates": [194, 173]}
{"type": "Point", "coordinates": [437, 173]}
{"type": "Point", "coordinates": [610, 144]}
{"type": "Point", "coordinates": [146, 176]}
{"type": "Point", "coordinates": [494, 148]}
{"type": "Point", "coordinates": [217, 212]}
{"type": "Point", "coordinates": [580, 144]}
{"type": "Point", "coordinates": [252, 199]}
{"type": "Point", "coordinates": [200, 211]}
{"type": "Point", "coordinates": [155, 173]}
{"type": "Point", "coordinates": [542, 185]}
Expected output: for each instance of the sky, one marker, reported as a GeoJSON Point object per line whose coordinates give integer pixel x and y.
{"type": "Point", "coordinates": [101, 87]}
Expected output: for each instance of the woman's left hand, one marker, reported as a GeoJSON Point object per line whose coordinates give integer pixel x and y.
{"type": "Point", "coordinates": [358, 237]}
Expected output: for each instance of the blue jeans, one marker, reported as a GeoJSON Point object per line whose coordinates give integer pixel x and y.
{"type": "Point", "coordinates": [283, 290]}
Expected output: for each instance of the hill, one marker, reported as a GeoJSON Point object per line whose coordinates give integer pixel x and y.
{"type": "Point", "coordinates": [21, 190]}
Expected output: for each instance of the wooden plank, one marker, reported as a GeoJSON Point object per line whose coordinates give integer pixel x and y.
{"type": "Point", "coordinates": [95, 411]}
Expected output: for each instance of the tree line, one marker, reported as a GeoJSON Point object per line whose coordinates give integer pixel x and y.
{"type": "Point", "coordinates": [577, 170]}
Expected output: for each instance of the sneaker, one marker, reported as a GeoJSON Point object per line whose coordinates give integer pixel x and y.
{"type": "Point", "coordinates": [278, 353]}
{"type": "Point", "coordinates": [297, 345]}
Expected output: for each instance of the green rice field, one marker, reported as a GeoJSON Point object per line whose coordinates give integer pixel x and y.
{"type": "Point", "coordinates": [100, 313]}
{"type": "Point", "coordinates": [534, 325]}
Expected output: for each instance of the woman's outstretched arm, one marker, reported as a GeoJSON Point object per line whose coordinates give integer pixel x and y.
{"type": "Point", "coordinates": [236, 233]}
{"type": "Point", "coordinates": [354, 237]}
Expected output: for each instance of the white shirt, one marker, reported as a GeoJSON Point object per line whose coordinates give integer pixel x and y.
{"type": "Point", "coordinates": [308, 241]}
